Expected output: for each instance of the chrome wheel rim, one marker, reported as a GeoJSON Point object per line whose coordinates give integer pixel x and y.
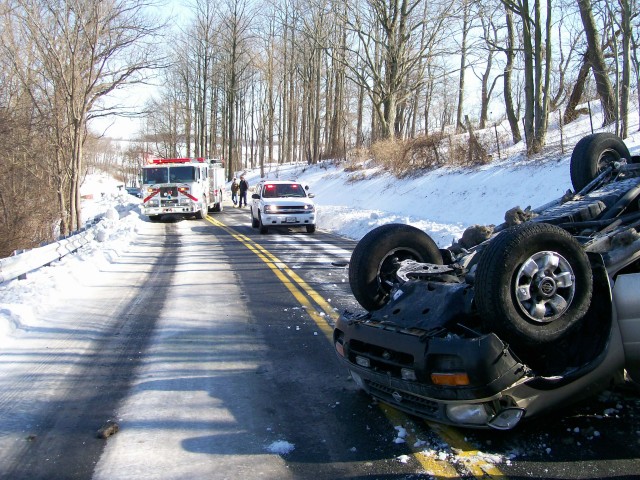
{"type": "Point", "coordinates": [545, 286]}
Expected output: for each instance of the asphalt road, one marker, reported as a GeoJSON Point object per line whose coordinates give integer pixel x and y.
{"type": "Point", "coordinates": [209, 345]}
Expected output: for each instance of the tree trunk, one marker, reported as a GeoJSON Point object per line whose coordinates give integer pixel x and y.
{"type": "Point", "coordinates": [359, 120]}
{"type": "Point", "coordinates": [599, 68]}
{"type": "Point", "coordinates": [514, 125]}
{"type": "Point", "coordinates": [571, 112]}
{"type": "Point", "coordinates": [529, 84]}
{"type": "Point", "coordinates": [626, 67]}
{"type": "Point", "coordinates": [463, 67]}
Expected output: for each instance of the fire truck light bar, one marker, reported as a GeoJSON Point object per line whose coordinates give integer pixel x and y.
{"type": "Point", "coordinates": [158, 161]}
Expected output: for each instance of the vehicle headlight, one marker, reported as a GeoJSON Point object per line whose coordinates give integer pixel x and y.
{"type": "Point", "coordinates": [309, 208]}
{"type": "Point", "coordinates": [507, 418]}
{"type": "Point", "coordinates": [153, 203]}
{"type": "Point", "coordinates": [185, 201]}
{"type": "Point", "coordinates": [270, 209]}
{"type": "Point", "coordinates": [469, 413]}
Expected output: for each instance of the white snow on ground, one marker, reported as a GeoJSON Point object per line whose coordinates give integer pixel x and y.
{"type": "Point", "coordinates": [442, 203]}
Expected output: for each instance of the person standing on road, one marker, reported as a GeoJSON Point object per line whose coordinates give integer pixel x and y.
{"type": "Point", "coordinates": [234, 191]}
{"type": "Point", "coordinates": [244, 187]}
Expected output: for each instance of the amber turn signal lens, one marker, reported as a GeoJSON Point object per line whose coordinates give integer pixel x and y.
{"type": "Point", "coordinates": [450, 379]}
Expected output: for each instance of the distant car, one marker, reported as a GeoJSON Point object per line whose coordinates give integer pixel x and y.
{"type": "Point", "coordinates": [539, 312]}
{"type": "Point", "coordinates": [282, 203]}
{"type": "Point", "coordinates": [135, 191]}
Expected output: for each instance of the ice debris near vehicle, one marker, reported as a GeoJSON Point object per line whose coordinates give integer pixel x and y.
{"type": "Point", "coordinates": [281, 447]}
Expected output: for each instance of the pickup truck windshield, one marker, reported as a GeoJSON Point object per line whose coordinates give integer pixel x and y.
{"type": "Point", "coordinates": [283, 190]}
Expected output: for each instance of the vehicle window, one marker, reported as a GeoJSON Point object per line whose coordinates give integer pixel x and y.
{"type": "Point", "coordinates": [269, 191]}
{"type": "Point", "coordinates": [282, 190]}
{"type": "Point", "coordinates": [290, 190]}
{"type": "Point", "coordinates": [155, 175]}
{"type": "Point", "coordinates": [182, 174]}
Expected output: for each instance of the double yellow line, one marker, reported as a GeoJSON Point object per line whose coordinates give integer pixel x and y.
{"type": "Point", "coordinates": [303, 293]}
{"type": "Point", "coordinates": [300, 289]}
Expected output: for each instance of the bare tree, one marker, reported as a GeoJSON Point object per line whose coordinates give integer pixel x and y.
{"type": "Point", "coordinates": [536, 39]}
{"type": "Point", "coordinates": [234, 42]}
{"type": "Point", "coordinates": [486, 51]}
{"type": "Point", "coordinates": [466, 26]}
{"type": "Point", "coordinates": [596, 58]}
{"type": "Point", "coordinates": [387, 46]}
{"type": "Point", "coordinates": [625, 87]}
{"type": "Point", "coordinates": [85, 49]}
{"type": "Point", "coordinates": [635, 51]}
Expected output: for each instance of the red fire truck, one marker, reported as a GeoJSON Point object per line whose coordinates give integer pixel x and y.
{"type": "Point", "coordinates": [182, 186]}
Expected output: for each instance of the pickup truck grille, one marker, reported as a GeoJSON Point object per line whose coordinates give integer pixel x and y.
{"type": "Point", "coordinates": [382, 359]}
{"type": "Point", "coordinates": [289, 210]}
{"type": "Point", "coordinates": [407, 401]}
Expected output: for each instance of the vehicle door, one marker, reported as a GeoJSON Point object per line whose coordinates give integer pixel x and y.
{"type": "Point", "coordinates": [256, 198]}
{"type": "Point", "coordinates": [627, 302]}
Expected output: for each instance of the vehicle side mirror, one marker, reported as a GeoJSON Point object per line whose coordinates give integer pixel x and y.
{"type": "Point", "coordinates": [311, 195]}
{"type": "Point", "coordinates": [256, 196]}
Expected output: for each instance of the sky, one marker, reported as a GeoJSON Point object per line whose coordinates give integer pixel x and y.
{"type": "Point", "coordinates": [442, 203]}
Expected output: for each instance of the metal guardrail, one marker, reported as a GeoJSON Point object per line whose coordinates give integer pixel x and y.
{"type": "Point", "coordinates": [29, 260]}
{"type": "Point", "coordinates": [22, 263]}
{"type": "Point", "coordinates": [25, 262]}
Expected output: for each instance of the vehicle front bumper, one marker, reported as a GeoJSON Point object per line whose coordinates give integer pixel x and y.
{"type": "Point", "coordinates": [397, 366]}
{"type": "Point", "coordinates": [193, 208]}
{"type": "Point", "coordinates": [288, 219]}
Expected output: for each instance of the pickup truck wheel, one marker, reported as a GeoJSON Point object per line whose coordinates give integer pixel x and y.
{"type": "Point", "coordinates": [254, 221]}
{"type": "Point", "coordinates": [594, 153]}
{"type": "Point", "coordinates": [533, 284]}
{"type": "Point", "coordinates": [376, 258]}
{"type": "Point", "coordinates": [311, 228]}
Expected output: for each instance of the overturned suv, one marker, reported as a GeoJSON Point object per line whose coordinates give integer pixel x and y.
{"type": "Point", "coordinates": [543, 310]}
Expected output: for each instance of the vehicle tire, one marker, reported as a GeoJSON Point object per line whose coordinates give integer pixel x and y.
{"type": "Point", "coordinates": [263, 229]}
{"type": "Point", "coordinates": [311, 228]}
{"type": "Point", "coordinates": [254, 221]}
{"type": "Point", "coordinates": [202, 213]}
{"type": "Point", "coordinates": [375, 259]}
{"type": "Point", "coordinates": [592, 154]}
{"type": "Point", "coordinates": [154, 218]}
{"type": "Point", "coordinates": [533, 284]}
